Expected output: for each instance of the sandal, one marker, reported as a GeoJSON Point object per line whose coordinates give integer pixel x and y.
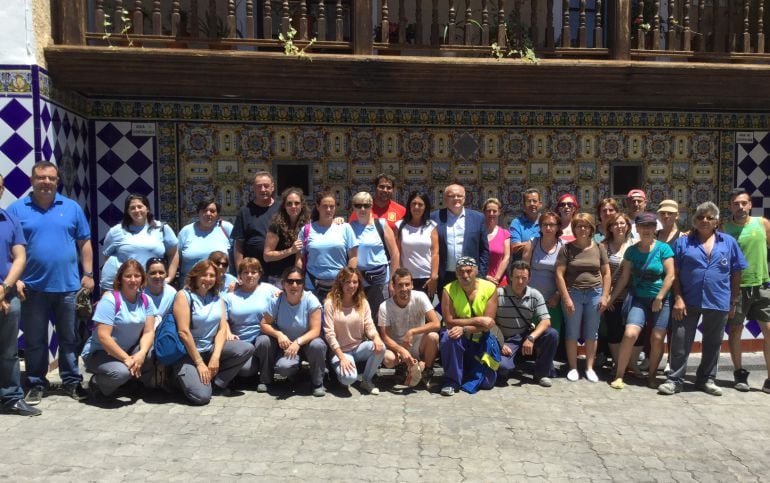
{"type": "Point", "coordinates": [617, 384]}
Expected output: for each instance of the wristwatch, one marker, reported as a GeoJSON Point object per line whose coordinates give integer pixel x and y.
{"type": "Point", "coordinates": [531, 338]}
{"type": "Point", "coordinates": [88, 274]}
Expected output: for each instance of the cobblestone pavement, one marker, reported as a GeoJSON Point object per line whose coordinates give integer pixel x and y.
{"type": "Point", "coordinates": [570, 431]}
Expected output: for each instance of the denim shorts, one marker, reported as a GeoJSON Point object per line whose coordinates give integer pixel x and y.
{"type": "Point", "coordinates": [641, 313]}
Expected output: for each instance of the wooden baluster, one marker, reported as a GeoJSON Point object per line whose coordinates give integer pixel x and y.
{"type": "Point", "coordinates": [175, 17]}
{"type": "Point", "coordinates": [338, 33]}
{"type": "Point", "coordinates": [656, 26]}
{"type": "Point", "coordinates": [99, 16]}
{"type": "Point", "coordinates": [231, 27]}
{"type": "Point", "coordinates": [746, 33]}
{"type": "Point", "coordinates": [434, 23]}
{"type": "Point", "coordinates": [321, 21]}
{"type": "Point", "coordinates": [686, 32]}
{"type": "Point", "coordinates": [641, 34]}
{"type": "Point", "coordinates": [484, 23]}
{"type": "Point", "coordinates": [267, 19]}
{"type": "Point", "coordinates": [137, 19]}
{"type": "Point", "coordinates": [194, 22]}
{"type": "Point", "coordinates": [418, 39]}
{"type": "Point", "coordinates": [582, 37]}
{"type": "Point", "coordinates": [549, 34]}
{"type": "Point", "coordinates": [566, 36]}
{"type": "Point", "coordinates": [385, 30]}
{"type": "Point", "coordinates": [533, 22]}
{"type": "Point", "coordinates": [468, 16]}
{"type": "Point", "coordinates": [302, 20]}
{"type": "Point", "coordinates": [402, 21]}
{"type": "Point", "coordinates": [117, 16]}
{"type": "Point", "coordinates": [156, 18]}
{"type": "Point", "coordinates": [672, 25]}
{"type": "Point", "coordinates": [501, 33]}
{"type": "Point", "coordinates": [731, 35]}
{"type": "Point", "coordinates": [250, 21]}
{"type": "Point", "coordinates": [761, 27]}
{"type": "Point", "coordinates": [703, 39]}
{"type": "Point", "coordinates": [598, 29]}
{"type": "Point", "coordinates": [451, 25]}
{"type": "Point", "coordinates": [285, 17]}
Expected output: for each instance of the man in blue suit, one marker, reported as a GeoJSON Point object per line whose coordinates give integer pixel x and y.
{"type": "Point", "coordinates": [461, 233]}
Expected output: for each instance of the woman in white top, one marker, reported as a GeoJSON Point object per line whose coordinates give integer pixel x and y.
{"type": "Point", "coordinates": [140, 237]}
{"type": "Point", "coordinates": [418, 243]}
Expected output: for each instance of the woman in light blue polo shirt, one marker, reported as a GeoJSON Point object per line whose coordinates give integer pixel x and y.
{"type": "Point", "coordinates": [327, 247]}
{"type": "Point", "coordinates": [125, 329]}
{"type": "Point", "coordinates": [201, 320]}
{"type": "Point", "coordinates": [138, 236]}
{"type": "Point", "coordinates": [245, 308]}
{"type": "Point", "coordinates": [208, 234]}
{"type": "Point", "coordinates": [158, 290]}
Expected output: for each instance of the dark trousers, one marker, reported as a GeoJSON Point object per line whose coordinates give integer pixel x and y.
{"type": "Point", "coordinates": [545, 351]}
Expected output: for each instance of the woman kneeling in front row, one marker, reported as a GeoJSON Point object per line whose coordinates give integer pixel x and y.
{"type": "Point", "coordinates": [125, 328]}
{"type": "Point", "coordinates": [201, 320]}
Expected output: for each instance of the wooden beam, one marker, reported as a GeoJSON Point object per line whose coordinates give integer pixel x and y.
{"type": "Point", "coordinates": [363, 29]}
{"type": "Point", "coordinates": [619, 12]}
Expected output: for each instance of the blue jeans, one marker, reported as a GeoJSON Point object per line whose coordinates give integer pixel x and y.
{"type": "Point", "coordinates": [364, 352]}
{"type": "Point", "coordinates": [35, 312]}
{"type": "Point", "coordinates": [641, 313]}
{"type": "Point", "coordinates": [10, 374]}
{"type": "Point", "coordinates": [586, 303]}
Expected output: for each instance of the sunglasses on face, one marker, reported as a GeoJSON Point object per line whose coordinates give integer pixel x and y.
{"type": "Point", "coordinates": [360, 206]}
{"type": "Point", "coordinates": [566, 205]}
{"type": "Point", "coordinates": [294, 281]}
{"type": "Point", "coordinates": [221, 264]}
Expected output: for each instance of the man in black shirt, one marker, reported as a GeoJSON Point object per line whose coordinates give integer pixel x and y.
{"type": "Point", "coordinates": [252, 220]}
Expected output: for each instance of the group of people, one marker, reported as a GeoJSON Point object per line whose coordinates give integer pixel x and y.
{"type": "Point", "coordinates": [352, 296]}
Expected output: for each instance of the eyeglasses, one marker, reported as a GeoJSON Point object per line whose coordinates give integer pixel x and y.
{"type": "Point", "coordinates": [221, 264]}
{"type": "Point", "coordinates": [705, 217]}
{"type": "Point", "coordinates": [294, 281]}
{"type": "Point", "coordinates": [293, 203]}
{"type": "Point", "coordinates": [565, 205]}
{"type": "Point", "coordinates": [360, 206]}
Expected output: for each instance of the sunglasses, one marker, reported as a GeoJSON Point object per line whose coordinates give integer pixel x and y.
{"type": "Point", "coordinates": [360, 206]}
{"type": "Point", "coordinates": [294, 281]}
{"type": "Point", "coordinates": [221, 264]}
{"type": "Point", "coordinates": [565, 205]}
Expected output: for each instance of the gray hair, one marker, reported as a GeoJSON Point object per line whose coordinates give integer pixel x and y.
{"type": "Point", "coordinates": [704, 209]}
{"type": "Point", "coordinates": [362, 197]}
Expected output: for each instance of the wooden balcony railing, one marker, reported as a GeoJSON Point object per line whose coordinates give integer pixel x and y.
{"type": "Point", "coordinates": [694, 30]}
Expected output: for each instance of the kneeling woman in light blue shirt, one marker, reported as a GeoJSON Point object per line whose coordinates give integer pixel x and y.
{"type": "Point", "coordinates": [161, 293]}
{"type": "Point", "coordinates": [292, 328]}
{"type": "Point", "coordinates": [245, 308]}
{"type": "Point", "coordinates": [125, 328]}
{"type": "Point", "coordinates": [201, 320]}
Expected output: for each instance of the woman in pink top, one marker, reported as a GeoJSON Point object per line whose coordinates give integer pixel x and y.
{"type": "Point", "coordinates": [499, 245]}
{"type": "Point", "coordinates": [350, 331]}
{"type": "Point", "coordinates": [567, 207]}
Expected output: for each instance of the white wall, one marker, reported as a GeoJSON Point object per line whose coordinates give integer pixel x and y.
{"type": "Point", "coordinates": [17, 38]}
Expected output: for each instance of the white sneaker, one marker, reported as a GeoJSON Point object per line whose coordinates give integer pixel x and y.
{"type": "Point", "coordinates": [667, 370]}
{"type": "Point", "coordinates": [573, 375]}
{"type": "Point", "coordinates": [368, 387]}
{"type": "Point", "coordinates": [591, 376]}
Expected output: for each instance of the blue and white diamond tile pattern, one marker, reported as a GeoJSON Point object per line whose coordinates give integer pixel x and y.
{"type": "Point", "coordinates": [17, 141]}
{"type": "Point", "coordinates": [752, 165]}
{"type": "Point", "coordinates": [124, 165]}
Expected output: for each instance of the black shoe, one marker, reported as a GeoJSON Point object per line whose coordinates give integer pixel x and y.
{"type": "Point", "coordinates": [76, 391]}
{"type": "Point", "coordinates": [34, 395]}
{"type": "Point", "coordinates": [22, 408]}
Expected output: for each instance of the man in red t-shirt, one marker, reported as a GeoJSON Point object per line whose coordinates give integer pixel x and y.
{"type": "Point", "coordinates": [384, 206]}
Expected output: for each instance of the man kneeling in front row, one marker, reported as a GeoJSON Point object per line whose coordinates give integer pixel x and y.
{"type": "Point", "coordinates": [409, 328]}
{"type": "Point", "coordinates": [523, 320]}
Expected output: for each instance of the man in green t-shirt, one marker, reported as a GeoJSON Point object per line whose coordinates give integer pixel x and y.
{"type": "Point", "coordinates": [753, 236]}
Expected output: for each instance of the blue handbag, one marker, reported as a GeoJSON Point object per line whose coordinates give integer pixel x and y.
{"type": "Point", "coordinates": [168, 347]}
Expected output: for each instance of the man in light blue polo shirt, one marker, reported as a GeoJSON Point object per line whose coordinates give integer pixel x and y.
{"type": "Point", "coordinates": [708, 284]}
{"type": "Point", "coordinates": [12, 258]}
{"type": "Point", "coordinates": [527, 226]}
{"type": "Point", "coordinates": [56, 231]}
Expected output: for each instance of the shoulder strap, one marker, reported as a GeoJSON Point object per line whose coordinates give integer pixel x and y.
{"type": "Point", "coordinates": [305, 238]}
{"type": "Point", "coordinates": [381, 231]}
{"type": "Point", "coordinates": [144, 300]}
{"type": "Point", "coordinates": [116, 296]}
{"type": "Point", "coordinates": [652, 254]}
{"type": "Point", "coordinates": [221, 227]}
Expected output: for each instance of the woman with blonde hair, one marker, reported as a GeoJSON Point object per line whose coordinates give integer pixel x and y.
{"type": "Point", "coordinates": [350, 331]}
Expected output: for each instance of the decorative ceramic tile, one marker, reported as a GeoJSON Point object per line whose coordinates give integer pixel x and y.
{"type": "Point", "coordinates": [17, 142]}
{"type": "Point", "coordinates": [753, 168]}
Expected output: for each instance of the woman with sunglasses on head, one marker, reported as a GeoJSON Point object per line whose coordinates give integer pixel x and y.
{"type": "Point", "coordinates": [583, 277]}
{"type": "Point", "coordinates": [140, 237]}
{"type": "Point", "coordinates": [207, 234]}
{"type": "Point", "coordinates": [378, 255]}
{"type": "Point", "coordinates": [417, 240]}
{"type": "Point", "coordinates": [293, 326]}
{"type": "Point", "coordinates": [327, 247]}
{"type": "Point", "coordinates": [281, 242]}
{"type": "Point", "coordinates": [125, 329]}
{"type": "Point", "coordinates": [350, 331]}
{"type": "Point", "coordinates": [618, 239]}
{"type": "Point", "coordinates": [541, 255]}
{"type": "Point", "coordinates": [211, 361]}
{"type": "Point", "coordinates": [229, 281]}
{"type": "Point", "coordinates": [158, 290]}
{"type": "Point", "coordinates": [567, 207]}
{"type": "Point", "coordinates": [246, 306]}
